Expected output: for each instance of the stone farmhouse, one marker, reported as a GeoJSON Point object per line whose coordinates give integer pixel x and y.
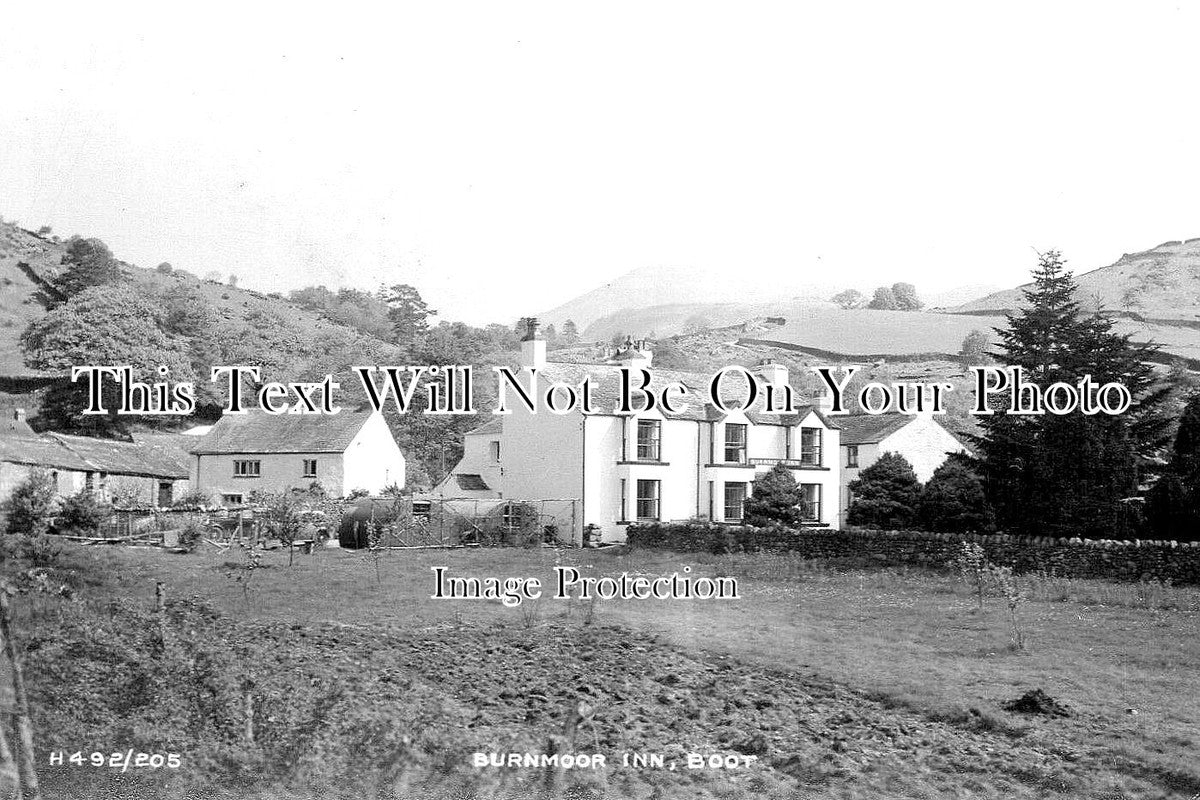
{"type": "Point", "coordinates": [151, 471]}
{"type": "Point", "coordinates": [920, 438]}
{"type": "Point", "coordinates": [643, 466]}
{"type": "Point", "coordinates": [256, 451]}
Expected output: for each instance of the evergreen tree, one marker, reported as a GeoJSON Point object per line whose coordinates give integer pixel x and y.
{"type": "Point", "coordinates": [776, 500]}
{"type": "Point", "coordinates": [1067, 475]}
{"type": "Point", "coordinates": [1185, 455]}
{"type": "Point", "coordinates": [1170, 510]}
{"type": "Point", "coordinates": [953, 501]}
{"type": "Point", "coordinates": [88, 263]}
{"type": "Point", "coordinates": [408, 312]}
{"type": "Point", "coordinates": [885, 494]}
{"type": "Point", "coordinates": [28, 508]}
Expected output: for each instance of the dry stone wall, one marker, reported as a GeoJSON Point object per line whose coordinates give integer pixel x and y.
{"type": "Point", "coordinates": [1178, 562]}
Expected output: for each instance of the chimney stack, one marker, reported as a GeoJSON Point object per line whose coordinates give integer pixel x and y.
{"type": "Point", "coordinates": [533, 349]}
{"type": "Point", "coordinates": [774, 374]}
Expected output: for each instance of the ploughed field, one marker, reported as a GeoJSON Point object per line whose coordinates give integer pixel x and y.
{"type": "Point", "coordinates": [339, 676]}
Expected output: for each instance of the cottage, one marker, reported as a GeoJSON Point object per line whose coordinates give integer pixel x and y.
{"type": "Point", "coordinates": [644, 466]}
{"type": "Point", "coordinates": [920, 438]}
{"type": "Point", "coordinates": [148, 472]}
{"type": "Point", "coordinates": [256, 451]}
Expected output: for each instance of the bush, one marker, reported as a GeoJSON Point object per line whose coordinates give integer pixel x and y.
{"type": "Point", "coordinates": [31, 504]}
{"type": "Point", "coordinates": [1169, 512]}
{"type": "Point", "coordinates": [885, 494]}
{"type": "Point", "coordinates": [194, 499]}
{"type": "Point", "coordinates": [82, 512]}
{"type": "Point", "coordinates": [954, 502]}
{"type": "Point", "coordinates": [776, 500]}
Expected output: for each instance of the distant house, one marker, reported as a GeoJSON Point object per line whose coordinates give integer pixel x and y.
{"type": "Point", "coordinates": [257, 451]}
{"type": "Point", "coordinates": [477, 474]}
{"type": "Point", "coordinates": [152, 472]}
{"type": "Point", "coordinates": [920, 438]}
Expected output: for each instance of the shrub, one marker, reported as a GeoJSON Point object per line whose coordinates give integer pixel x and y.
{"type": "Point", "coordinates": [29, 507]}
{"type": "Point", "coordinates": [1169, 512]}
{"type": "Point", "coordinates": [885, 494]}
{"type": "Point", "coordinates": [82, 512]}
{"type": "Point", "coordinates": [954, 501]}
{"type": "Point", "coordinates": [193, 499]}
{"type": "Point", "coordinates": [776, 500]}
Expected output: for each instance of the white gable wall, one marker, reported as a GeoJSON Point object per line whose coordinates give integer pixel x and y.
{"type": "Point", "coordinates": [213, 474]}
{"type": "Point", "coordinates": [373, 460]}
{"type": "Point", "coordinates": [923, 442]}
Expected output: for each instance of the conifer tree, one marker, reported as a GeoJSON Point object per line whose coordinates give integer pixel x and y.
{"type": "Point", "coordinates": [885, 494]}
{"type": "Point", "coordinates": [776, 500]}
{"type": "Point", "coordinates": [1067, 475]}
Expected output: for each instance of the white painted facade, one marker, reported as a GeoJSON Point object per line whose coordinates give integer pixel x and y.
{"type": "Point", "coordinates": [594, 459]}
{"type": "Point", "coordinates": [923, 442]}
{"type": "Point", "coordinates": [370, 462]}
{"type": "Point", "coordinates": [481, 456]}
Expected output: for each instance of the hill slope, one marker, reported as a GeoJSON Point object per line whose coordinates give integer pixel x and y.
{"type": "Point", "coordinates": [1162, 283]}
{"type": "Point", "coordinates": [273, 326]}
{"type": "Point", "coordinates": [656, 286]}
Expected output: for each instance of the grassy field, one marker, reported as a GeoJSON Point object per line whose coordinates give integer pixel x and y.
{"type": "Point", "coordinates": [843, 683]}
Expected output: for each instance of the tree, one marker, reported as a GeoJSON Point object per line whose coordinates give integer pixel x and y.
{"type": "Point", "coordinates": [408, 313]}
{"type": "Point", "coordinates": [88, 263]}
{"type": "Point", "coordinates": [974, 350]}
{"type": "Point", "coordinates": [851, 298]}
{"type": "Point", "coordinates": [233, 280]}
{"type": "Point", "coordinates": [885, 494]}
{"type": "Point", "coordinates": [1171, 510]}
{"type": "Point", "coordinates": [27, 510]}
{"type": "Point", "coordinates": [906, 297]}
{"type": "Point", "coordinates": [1067, 475]}
{"type": "Point", "coordinates": [777, 500]}
{"type": "Point", "coordinates": [954, 501]}
{"type": "Point", "coordinates": [165, 268]}
{"type": "Point", "coordinates": [884, 300]}
{"type": "Point", "coordinates": [1185, 454]}
{"type": "Point", "coordinates": [570, 333]}
{"type": "Point", "coordinates": [104, 325]}
{"type": "Point", "coordinates": [82, 511]}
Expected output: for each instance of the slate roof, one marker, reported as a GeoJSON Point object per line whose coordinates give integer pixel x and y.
{"type": "Point", "coordinates": [39, 451]}
{"type": "Point", "coordinates": [606, 389]}
{"type": "Point", "coordinates": [124, 458]}
{"type": "Point", "coordinates": [87, 454]}
{"type": "Point", "coordinates": [260, 432]}
{"type": "Point", "coordinates": [471, 483]}
{"type": "Point", "coordinates": [870, 428]}
{"type": "Point", "coordinates": [494, 425]}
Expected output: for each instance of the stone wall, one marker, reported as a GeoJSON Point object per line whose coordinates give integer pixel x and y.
{"type": "Point", "coordinates": [1178, 562]}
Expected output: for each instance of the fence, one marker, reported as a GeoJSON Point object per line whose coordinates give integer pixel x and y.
{"type": "Point", "coordinates": [368, 521]}
{"type": "Point", "coordinates": [448, 522]}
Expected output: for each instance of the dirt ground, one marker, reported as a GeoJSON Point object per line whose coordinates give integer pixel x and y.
{"type": "Point", "coordinates": [395, 702]}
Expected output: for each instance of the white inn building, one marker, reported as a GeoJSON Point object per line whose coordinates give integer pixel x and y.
{"type": "Point", "coordinates": [647, 466]}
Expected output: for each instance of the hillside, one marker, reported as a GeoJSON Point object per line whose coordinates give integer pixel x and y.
{"type": "Point", "coordinates": [657, 286]}
{"type": "Point", "coordinates": [22, 298]}
{"type": "Point", "coordinates": [1160, 284]}
{"type": "Point", "coordinates": [29, 262]}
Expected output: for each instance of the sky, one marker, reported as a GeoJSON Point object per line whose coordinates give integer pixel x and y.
{"type": "Point", "coordinates": [505, 157]}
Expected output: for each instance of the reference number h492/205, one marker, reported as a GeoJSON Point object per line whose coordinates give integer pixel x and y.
{"type": "Point", "coordinates": [124, 760]}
